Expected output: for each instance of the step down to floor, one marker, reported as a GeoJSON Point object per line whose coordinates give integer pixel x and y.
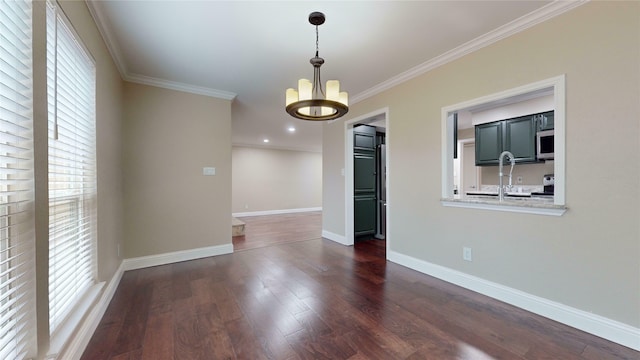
{"type": "Point", "coordinates": [237, 228]}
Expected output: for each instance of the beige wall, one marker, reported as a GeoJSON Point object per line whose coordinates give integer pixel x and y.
{"type": "Point", "coordinates": [588, 258]}
{"type": "Point", "coordinates": [109, 156]}
{"type": "Point", "coordinates": [270, 179]}
{"type": "Point", "coordinates": [169, 136]}
{"type": "Point", "coordinates": [333, 148]}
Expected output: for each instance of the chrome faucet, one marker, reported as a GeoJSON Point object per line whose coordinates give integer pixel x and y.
{"type": "Point", "coordinates": [500, 174]}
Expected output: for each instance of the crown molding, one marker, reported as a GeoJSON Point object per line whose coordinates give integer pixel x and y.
{"type": "Point", "coordinates": [107, 35]}
{"type": "Point", "coordinates": [178, 86]}
{"type": "Point", "coordinates": [109, 39]}
{"type": "Point", "coordinates": [524, 22]}
{"type": "Point", "coordinates": [545, 13]}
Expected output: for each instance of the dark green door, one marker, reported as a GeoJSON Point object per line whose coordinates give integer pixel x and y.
{"type": "Point", "coordinates": [364, 170]}
{"type": "Point", "coordinates": [364, 180]}
{"type": "Point", "coordinates": [364, 213]}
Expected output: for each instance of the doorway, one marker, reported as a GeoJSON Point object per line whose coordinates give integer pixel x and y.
{"type": "Point", "coordinates": [469, 172]}
{"type": "Point", "coordinates": [380, 120]}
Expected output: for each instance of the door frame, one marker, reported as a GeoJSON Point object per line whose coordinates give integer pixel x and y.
{"type": "Point", "coordinates": [373, 116]}
{"type": "Point", "coordinates": [461, 144]}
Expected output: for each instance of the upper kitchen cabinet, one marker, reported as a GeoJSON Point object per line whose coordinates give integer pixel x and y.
{"type": "Point", "coordinates": [517, 135]}
{"type": "Point", "coordinates": [545, 121]}
{"type": "Point", "coordinates": [520, 138]}
{"type": "Point", "coordinates": [364, 138]}
{"type": "Point", "coordinates": [488, 143]}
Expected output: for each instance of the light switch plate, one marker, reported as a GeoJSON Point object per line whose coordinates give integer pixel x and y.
{"type": "Point", "coordinates": [208, 171]}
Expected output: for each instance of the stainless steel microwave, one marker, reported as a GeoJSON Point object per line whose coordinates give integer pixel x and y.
{"type": "Point", "coordinates": [544, 144]}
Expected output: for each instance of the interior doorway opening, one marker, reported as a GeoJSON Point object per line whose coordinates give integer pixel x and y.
{"type": "Point", "coordinates": [360, 193]}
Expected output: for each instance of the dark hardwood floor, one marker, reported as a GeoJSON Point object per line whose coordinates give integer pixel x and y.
{"type": "Point", "coordinates": [266, 230]}
{"type": "Point", "coordinates": [317, 299]}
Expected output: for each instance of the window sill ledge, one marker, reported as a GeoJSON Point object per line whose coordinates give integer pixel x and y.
{"type": "Point", "coordinates": [517, 206]}
{"type": "Point", "coordinates": [60, 338]}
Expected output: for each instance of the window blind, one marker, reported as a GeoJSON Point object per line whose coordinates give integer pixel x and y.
{"type": "Point", "coordinates": [72, 168]}
{"type": "Point", "coordinates": [17, 237]}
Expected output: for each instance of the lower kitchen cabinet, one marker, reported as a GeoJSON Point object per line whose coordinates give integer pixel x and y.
{"type": "Point", "coordinates": [364, 210]}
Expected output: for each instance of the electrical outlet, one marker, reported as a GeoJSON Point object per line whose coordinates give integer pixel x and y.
{"type": "Point", "coordinates": [519, 180]}
{"type": "Point", "coordinates": [246, 206]}
{"type": "Point", "coordinates": [466, 254]}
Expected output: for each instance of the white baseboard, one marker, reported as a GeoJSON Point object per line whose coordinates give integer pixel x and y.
{"type": "Point", "coordinates": [79, 341]}
{"type": "Point", "coordinates": [177, 256]}
{"type": "Point", "coordinates": [340, 239]}
{"type": "Point", "coordinates": [275, 212]}
{"type": "Point", "coordinates": [594, 324]}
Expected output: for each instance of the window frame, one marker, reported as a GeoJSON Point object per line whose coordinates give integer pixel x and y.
{"type": "Point", "coordinates": [61, 327]}
{"type": "Point", "coordinates": [17, 193]}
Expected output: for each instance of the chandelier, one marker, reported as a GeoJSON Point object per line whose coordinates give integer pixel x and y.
{"type": "Point", "coordinates": [310, 102]}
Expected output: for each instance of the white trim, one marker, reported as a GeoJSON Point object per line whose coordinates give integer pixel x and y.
{"type": "Point", "coordinates": [594, 324]}
{"type": "Point", "coordinates": [78, 342]}
{"type": "Point", "coordinates": [107, 35]}
{"type": "Point", "coordinates": [348, 170]}
{"type": "Point", "coordinates": [538, 16]}
{"type": "Point", "coordinates": [275, 212]}
{"type": "Point", "coordinates": [511, 207]}
{"type": "Point", "coordinates": [176, 256]}
{"type": "Point", "coordinates": [524, 22]}
{"type": "Point", "coordinates": [178, 86]}
{"type": "Point", "coordinates": [340, 239]}
{"type": "Point", "coordinates": [97, 13]}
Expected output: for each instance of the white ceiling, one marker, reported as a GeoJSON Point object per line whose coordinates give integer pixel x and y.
{"type": "Point", "coordinates": [254, 50]}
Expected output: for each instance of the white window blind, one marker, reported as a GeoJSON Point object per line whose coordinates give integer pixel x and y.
{"type": "Point", "coordinates": [72, 168]}
{"type": "Point", "coordinates": [17, 237]}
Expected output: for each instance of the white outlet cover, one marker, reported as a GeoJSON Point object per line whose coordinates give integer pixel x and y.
{"type": "Point", "coordinates": [466, 254]}
{"type": "Point", "coordinates": [208, 171]}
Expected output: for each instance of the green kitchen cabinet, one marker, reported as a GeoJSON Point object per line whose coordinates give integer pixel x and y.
{"type": "Point", "coordinates": [517, 135]}
{"type": "Point", "coordinates": [488, 143]}
{"type": "Point", "coordinates": [545, 121]}
{"type": "Point", "coordinates": [364, 173]}
{"type": "Point", "coordinates": [364, 180]}
{"type": "Point", "coordinates": [364, 211]}
{"type": "Point", "coordinates": [520, 138]}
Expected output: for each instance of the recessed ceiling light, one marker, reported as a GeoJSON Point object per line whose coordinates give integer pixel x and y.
{"type": "Point", "coordinates": [266, 140]}
{"type": "Point", "coordinates": [291, 129]}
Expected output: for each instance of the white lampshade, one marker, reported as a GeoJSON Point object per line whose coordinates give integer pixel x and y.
{"type": "Point", "coordinates": [344, 98]}
{"type": "Point", "coordinates": [291, 96]}
{"type": "Point", "coordinates": [304, 88]}
{"type": "Point", "coordinates": [333, 90]}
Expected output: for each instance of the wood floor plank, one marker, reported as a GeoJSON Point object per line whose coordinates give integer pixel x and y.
{"type": "Point", "coordinates": [315, 299]}
{"type": "Point", "coordinates": [159, 343]}
{"type": "Point", "coordinates": [132, 332]}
